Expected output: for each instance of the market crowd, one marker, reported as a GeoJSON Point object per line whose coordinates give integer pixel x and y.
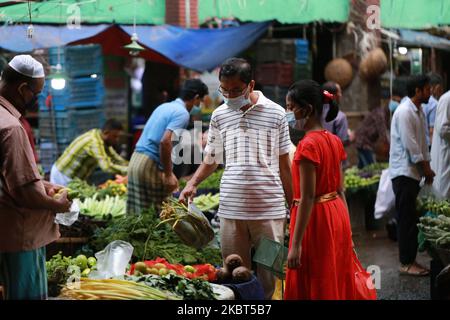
{"type": "Point", "coordinates": [266, 179]}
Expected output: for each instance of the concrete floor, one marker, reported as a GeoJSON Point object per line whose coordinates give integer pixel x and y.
{"type": "Point", "coordinates": [375, 248]}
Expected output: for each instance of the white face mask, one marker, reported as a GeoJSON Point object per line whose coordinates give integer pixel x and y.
{"type": "Point", "coordinates": [238, 102]}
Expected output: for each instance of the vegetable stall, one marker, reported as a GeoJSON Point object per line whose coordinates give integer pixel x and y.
{"type": "Point", "coordinates": [361, 187]}
{"type": "Point", "coordinates": [175, 253]}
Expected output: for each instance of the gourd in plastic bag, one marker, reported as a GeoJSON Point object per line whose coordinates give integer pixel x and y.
{"type": "Point", "coordinates": [189, 223]}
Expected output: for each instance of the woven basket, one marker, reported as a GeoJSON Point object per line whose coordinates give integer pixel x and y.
{"type": "Point", "coordinates": [373, 65]}
{"type": "Point", "coordinates": [340, 71]}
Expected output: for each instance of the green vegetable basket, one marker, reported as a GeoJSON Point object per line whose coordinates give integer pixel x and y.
{"type": "Point", "coordinates": [271, 255]}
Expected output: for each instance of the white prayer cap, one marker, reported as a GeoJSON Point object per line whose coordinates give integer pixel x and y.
{"type": "Point", "coordinates": [28, 66]}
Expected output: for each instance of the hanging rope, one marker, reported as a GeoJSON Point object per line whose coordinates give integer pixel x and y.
{"type": "Point", "coordinates": [29, 9]}
{"type": "Point", "coordinates": [134, 18]}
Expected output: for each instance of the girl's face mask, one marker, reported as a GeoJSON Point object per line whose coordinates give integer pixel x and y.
{"type": "Point", "coordinates": [298, 117]}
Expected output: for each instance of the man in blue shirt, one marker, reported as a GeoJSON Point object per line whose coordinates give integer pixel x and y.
{"type": "Point", "coordinates": [150, 172]}
{"type": "Point", "coordinates": [409, 162]}
{"type": "Point", "coordinates": [430, 108]}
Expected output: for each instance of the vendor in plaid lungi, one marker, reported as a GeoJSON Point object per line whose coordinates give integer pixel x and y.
{"type": "Point", "coordinates": [150, 173]}
{"type": "Point", "coordinates": [90, 150]}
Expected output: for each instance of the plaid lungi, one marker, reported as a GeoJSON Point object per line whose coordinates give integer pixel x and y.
{"type": "Point", "coordinates": [145, 185]}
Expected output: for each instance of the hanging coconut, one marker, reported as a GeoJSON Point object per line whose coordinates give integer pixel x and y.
{"type": "Point", "coordinates": [340, 71]}
{"type": "Point", "coordinates": [373, 65]}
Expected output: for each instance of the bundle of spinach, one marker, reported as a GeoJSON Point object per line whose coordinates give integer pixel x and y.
{"type": "Point", "coordinates": [210, 183]}
{"type": "Point", "coordinates": [150, 242]}
{"type": "Point", "coordinates": [57, 273]}
{"type": "Point", "coordinates": [189, 289]}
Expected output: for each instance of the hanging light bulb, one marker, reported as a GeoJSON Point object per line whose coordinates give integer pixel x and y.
{"type": "Point", "coordinates": [403, 50]}
{"type": "Point", "coordinates": [134, 47]}
{"type": "Point", "coordinates": [58, 80]}
{"type": "Point", "coordinates": [30, 31]}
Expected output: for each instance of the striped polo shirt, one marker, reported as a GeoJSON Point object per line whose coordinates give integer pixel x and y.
{"type": "Point", "coordinates": [249, 144]}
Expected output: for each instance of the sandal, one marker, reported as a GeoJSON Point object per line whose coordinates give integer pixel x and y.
{"type": "Point", "coordinates": [420, 271]}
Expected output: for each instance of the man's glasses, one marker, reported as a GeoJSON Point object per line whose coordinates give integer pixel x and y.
{"type": "Point", "coordinates": [231, 92]}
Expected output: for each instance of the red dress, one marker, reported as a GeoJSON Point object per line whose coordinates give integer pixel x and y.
{"type": "Point", "coordinates": [326, 270]}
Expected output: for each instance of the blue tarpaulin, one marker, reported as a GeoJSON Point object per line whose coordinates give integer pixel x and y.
{"type": "Point", "coordinates": [14, 38]}
{"type": "Point", "coordinates": [199, 49]}
{"type": "Point", "coordinates": [196, 49]}
{"type": "Point", "coordinates": [423, 39]}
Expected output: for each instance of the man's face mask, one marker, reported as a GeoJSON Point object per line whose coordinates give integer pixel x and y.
{"type": "Point", "coordinates": [29, 103]}
{"type": "Point", "coordinates": [238, 102]}
{"type": "Point", "coordinates": [393, 105]}
{"type": "Point", "coordinates": [195, 110]}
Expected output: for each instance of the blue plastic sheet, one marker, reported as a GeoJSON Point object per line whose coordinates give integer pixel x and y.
{"type": "Point", "coordinates": [196, 49]}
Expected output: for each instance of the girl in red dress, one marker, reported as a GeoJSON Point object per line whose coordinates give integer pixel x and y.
{"type": "Point", "coordinates": [320, 259]}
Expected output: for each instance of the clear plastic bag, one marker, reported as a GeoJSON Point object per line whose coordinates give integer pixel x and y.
{"type": "Point", "coordinates": [112, 262]}
{"type": "Point", "coordinates": [68, 218]}
{"type": "Point", "coordinates": [428, 191]}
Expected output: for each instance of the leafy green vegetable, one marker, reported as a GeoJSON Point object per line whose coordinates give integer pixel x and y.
{"type": "Point", "coordinates": [150, 242]}
{"type": "Point", "coordinates": [212, 182]}
{"type": "Point", "coordinates": [207, 202]}
{"type": "Point", "coordinates": [57, 268]}
{"type": "Point", "coordinates": [84, 189]}
{"type": "Point", "coordinates": [435, 229]}
{"type": "Point", "coordinates": [189, 289]}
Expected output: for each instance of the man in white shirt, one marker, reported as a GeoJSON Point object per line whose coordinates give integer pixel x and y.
{"type": "Point", "coordinates": [440, 147]}
{"type": "Point", "coordinates": [252, 133]}
{"type": "Point", "coordinates": [409, 162]}
{"type": "Point", "coordinates": [430, 108]}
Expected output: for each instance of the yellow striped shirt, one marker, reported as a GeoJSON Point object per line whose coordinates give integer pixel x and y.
{"type": "Point", "coordinates": [87, 152]}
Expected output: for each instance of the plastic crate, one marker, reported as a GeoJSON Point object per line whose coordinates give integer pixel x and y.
{"type": "Point", "coordinates": [53, 56]}
{"type": "Point", "coordinates": [79, 93]}
{"type": "Point", "coordinates": [302, 71]}
{"type": "Point", "coordinates": [301, 51]}
{"type": "Point", "coordinates": [281, 74]}
{"type": "Point", "coordinates": [85, 92]}
{"type": "Point", "coordinates": [78, 61]}
{"type": "Point", "coordinates": [84, 60]}
{"type": "Point", "coordinates": [47, 155]}
{"type": "Point", "coordinates": [276, 50]}
{"type": "Point", "coordinates": [276, 93]}
{"type": "Point", "coordinates": [69, 124]}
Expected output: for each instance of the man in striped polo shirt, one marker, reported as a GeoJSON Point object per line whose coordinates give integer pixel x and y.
{"type": "Point", "coordinates": [87, 152]}
{"type": "Point", "coordinates": [250, 134]}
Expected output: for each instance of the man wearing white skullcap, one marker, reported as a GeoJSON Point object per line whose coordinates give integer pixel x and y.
{"type": "Point", "coordinates": [27, 206]}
